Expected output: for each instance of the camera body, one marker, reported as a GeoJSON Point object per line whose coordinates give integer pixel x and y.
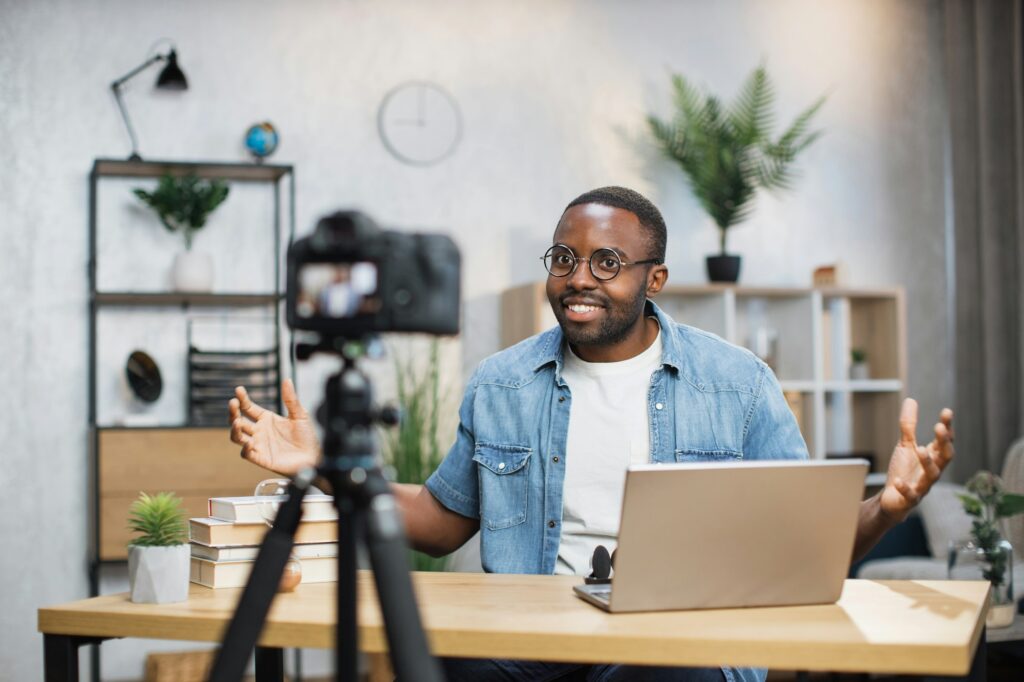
{"type": "Point", "coordinates": [350, 278]}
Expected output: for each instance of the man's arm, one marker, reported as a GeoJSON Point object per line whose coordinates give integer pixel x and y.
{"type": "Point", "coordinates": [286, 445]}
{"type": "Point", "coordinates": [912, 471]}
{"type": "Point", "coordinates": [431, 527]}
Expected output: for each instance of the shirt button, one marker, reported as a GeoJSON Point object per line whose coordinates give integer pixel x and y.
{"type": "Point", "coordinates": [501, 465]}
{"type": "Point", "coordinates": [551, 524]}
{"type": "Point", "coordinates": [555, 459]}
{"type": "Point", "coordinates": [659, 406]}
{"type": "Point", "coordinates": [561, 398]}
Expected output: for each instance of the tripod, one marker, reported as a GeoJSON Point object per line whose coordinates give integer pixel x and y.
{"type": "Point", "coordinates": [367, 516]}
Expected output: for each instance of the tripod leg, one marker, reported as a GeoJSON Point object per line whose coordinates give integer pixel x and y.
{"type": "Point", "coordinates": [346, 644]}
{"type": "Point", "coordinates": [261, 588]}
{"type": "Point", "coordinates": [407, 643]}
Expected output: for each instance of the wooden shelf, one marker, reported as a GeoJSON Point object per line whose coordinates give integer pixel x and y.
{"type": "Point", "coordinates": [814, 330]}
{"type": "Point", "coordinates": [128, 298]}
{"type": "Point", "coordinates": [246, 172]}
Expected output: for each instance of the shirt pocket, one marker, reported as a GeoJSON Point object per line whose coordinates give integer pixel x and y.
{"type": "Point", "coordinates": [504, 484]}
{"type": "Point", "coordinates": [698, 455]}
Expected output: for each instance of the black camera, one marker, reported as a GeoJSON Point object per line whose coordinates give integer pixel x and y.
{"type": "Point", "coordinates": [350, 278]}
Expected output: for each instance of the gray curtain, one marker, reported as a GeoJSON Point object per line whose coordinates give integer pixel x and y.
{"type": "Point", "coordinates": [984, 72]}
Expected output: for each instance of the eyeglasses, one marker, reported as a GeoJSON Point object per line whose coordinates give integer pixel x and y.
{"type": "Point", "coordinates": [605, 264]}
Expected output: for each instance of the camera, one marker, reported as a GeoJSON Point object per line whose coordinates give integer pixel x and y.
{"type": "Point", "coordinates": [350, 278]}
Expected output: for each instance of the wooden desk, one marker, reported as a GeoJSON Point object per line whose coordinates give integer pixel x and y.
{"type": "Point", "coordinates": [914, 627]}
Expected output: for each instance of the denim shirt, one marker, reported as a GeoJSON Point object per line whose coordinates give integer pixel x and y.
{"type": "Point", "coordinates": [709, 401]}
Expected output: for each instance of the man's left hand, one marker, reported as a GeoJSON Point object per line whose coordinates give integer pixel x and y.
{"type": "Point", "coordinates": [914, 468]}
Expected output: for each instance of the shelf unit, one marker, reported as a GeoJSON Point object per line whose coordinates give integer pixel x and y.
{"type": "Point", "coordinates": [815, 329]}
{"type": "Point", "coordinates": [196, 463]}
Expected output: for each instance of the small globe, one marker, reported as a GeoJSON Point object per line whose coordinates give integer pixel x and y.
{"type": "Point", "coordinates": [261, 139]}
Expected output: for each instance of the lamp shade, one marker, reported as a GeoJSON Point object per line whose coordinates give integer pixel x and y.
{"type": "Point", "coordinates": [172, 77]}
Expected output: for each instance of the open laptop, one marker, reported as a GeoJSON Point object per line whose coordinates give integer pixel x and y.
{"type": "Point", "coordinates": [723, 535]}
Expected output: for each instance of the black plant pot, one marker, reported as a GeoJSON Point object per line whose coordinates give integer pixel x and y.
{"type": "Point", "coordinates": [723, 268]}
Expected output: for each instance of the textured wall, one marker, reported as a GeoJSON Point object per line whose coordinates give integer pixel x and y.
{"type": "Point", "coordinates": [553, 96]}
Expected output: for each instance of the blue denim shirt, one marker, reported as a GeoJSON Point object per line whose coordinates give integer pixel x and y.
{"type": "Point", "coordinates": [709, 401]}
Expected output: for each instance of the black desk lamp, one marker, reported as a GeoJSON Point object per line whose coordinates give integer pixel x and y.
{"type": "Point", "coordinates": [170, 78]}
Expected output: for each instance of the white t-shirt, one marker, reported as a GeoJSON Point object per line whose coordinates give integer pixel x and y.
{"type": "Point", "coordinates": [609, 429]}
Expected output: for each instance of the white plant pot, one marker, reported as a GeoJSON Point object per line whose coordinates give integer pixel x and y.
{"type": "Point", "coordinates": [859, 371]}
{"type": "Point", "coordinates": [192, 271]}
{"type": "Point", "coordinates": [158, 575]}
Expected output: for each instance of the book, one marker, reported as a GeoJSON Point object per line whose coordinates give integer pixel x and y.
{"type": "Point", "coordinates": [312, 551]}
{"type": "Point", "coordinates": [250, 509]}
{"type": "Point", "coordinates": [219, 533]}
{"type": "Point", "coordinates": [217, 574]}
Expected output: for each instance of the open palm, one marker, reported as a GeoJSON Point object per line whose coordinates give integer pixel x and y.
{"type": "Point", "coordinates": [285, 445]}
{"type": "Point", "coordinates": [914, 468]}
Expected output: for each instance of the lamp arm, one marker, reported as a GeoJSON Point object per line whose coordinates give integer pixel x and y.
{"type": "Point", "coordinates": [116, 88]}
{"type": "Point", "coordinates": [137, 70]}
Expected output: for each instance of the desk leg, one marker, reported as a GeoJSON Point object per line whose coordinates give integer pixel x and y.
{"type": "Point", "coordinates": [269, 664]}
{"type": "Point", "coordinates": [60, 656]}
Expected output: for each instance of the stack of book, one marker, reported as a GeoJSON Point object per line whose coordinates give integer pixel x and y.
{"type": "Point", "coordinates": [225, 544]}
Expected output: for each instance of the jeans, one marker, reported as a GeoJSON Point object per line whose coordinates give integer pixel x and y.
{"type": "Point", "coordinates": [486, 670]}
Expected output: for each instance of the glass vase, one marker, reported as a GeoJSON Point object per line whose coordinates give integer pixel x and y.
{"type": "Point", "coordinates": [968, 561]}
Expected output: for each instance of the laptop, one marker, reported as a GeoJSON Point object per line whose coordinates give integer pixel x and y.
{"type": "Point", "coordinates": [724, 535]}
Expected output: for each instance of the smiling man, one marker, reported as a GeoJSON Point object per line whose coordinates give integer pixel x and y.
{"type": "Point", "coordinates": [548, 427]}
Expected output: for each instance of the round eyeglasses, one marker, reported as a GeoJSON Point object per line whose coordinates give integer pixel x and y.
{"type": "Point", "coordinates": [605, 264]}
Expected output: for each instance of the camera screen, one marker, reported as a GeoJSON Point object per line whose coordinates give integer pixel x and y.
{"type": "Point", "coordinates": [337, 290]}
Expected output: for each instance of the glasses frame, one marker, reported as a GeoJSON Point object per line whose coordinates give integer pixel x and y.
{"type": "Point", "coordinates": [590, 262]}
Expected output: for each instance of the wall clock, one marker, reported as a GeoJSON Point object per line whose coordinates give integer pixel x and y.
{"type": "Point", "coordinates": [419, 123]}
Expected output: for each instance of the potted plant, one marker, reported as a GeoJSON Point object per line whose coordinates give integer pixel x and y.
{"type": "Point", "coordinates": [859, 367]}
{"type": "Point", "coordinates": [184, 204]}
{"type": "Point", "coordinates": [727, 153]}
{"type": "Point", "coordinates": [414, 448]}
{"type": "Point", "coordinates": [158, 559]}
{"type": "Point", "coordinates": [987, 554]}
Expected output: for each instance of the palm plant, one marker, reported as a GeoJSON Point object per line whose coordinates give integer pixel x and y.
{"type": "Point", "coordinates": [413, 448]}
{"type": "Point", "coordinates": [727, 152]}
{"type": "Point", "coordinates": [159, 520]}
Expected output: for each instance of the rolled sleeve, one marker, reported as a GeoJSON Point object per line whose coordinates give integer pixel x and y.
{"type": "Point", "coordinates": [455, 483]}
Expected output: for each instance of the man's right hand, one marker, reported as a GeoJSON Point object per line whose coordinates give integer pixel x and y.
{"type": "Point", "coordinates": [285, 445]}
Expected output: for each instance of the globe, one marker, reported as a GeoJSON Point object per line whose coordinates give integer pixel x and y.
{"type": "Point", "coordinates": [261, 139]}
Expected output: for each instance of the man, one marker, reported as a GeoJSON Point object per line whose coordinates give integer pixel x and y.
{"type": "Point", "coordinates": [548, 427]}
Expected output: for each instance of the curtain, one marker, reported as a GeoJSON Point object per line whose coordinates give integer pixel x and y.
{"type": "Point", "coordinates": [986, 178]}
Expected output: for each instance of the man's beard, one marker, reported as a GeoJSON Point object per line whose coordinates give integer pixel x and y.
{"type": "Point", "coordinates": [618, 321]}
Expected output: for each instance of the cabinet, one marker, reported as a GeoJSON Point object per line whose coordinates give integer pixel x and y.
{"type": "Point", "coordinates": [806, 335]}
{"type": "Point", "coordinates": [129, 304]}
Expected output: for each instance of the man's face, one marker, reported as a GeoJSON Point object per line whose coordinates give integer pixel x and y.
{"type": "Point", "coordinates": [594, 313]}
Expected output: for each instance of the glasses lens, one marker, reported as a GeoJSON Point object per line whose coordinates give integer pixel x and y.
{"type": "Point", "coordinates": [559, 261]}
{"type": "Point", "coordinates": [605, 264]}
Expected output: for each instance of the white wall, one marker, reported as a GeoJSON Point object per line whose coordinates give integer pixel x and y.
{"type": "Point", "coordinates": [553, 96]}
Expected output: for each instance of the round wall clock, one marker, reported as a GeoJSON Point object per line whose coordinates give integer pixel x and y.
{"type": "Point", "coordinates": [419, 123]}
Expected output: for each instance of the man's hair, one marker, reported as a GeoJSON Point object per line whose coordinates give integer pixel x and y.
{"type": "Point", "coordinates": [637, 204]}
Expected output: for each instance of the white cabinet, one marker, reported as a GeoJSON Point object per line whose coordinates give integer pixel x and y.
{"type": "Point", "coordinates": [807, 335]}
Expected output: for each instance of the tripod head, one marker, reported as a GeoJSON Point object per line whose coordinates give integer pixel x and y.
{"type": "Point", "coordinates": [348, 413]}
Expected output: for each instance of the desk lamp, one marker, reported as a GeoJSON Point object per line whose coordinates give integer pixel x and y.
{"type": "Point", "coordinates": [170, 78]}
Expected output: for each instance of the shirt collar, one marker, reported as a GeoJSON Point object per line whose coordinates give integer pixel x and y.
{"type": "Point", "coordinates": [551, 348]}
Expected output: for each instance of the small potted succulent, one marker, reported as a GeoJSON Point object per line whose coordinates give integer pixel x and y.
{"type": "Point", "coordinates": [859, 367]}
{"type": "Point", "coordinates": [158, 558]}
{"type": "Point", "coordinates": [987, 555]}
{"type": "Point", "coordinates": [184, 204]}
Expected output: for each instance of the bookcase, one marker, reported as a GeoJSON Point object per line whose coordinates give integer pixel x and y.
{"type": "Point", "coordinates": [806, 335]}
{"type": "Point", "coordinates": [127, 302]}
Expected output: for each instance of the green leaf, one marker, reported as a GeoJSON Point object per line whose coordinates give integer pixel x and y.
{"type": "Point", "coordinates": [971, 504]}
{"type": "Point", "coordinates": [726, 152]}
{"type": "Point", "coordinates": [184, 203]}
{"type": "Point", "coordinates": [1010, 504]}
{"type": "Point", "coordinates": [158, 519]}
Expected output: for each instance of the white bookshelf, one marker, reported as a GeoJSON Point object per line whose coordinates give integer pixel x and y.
{"type": "Point", "coordinates": [815, 330]}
